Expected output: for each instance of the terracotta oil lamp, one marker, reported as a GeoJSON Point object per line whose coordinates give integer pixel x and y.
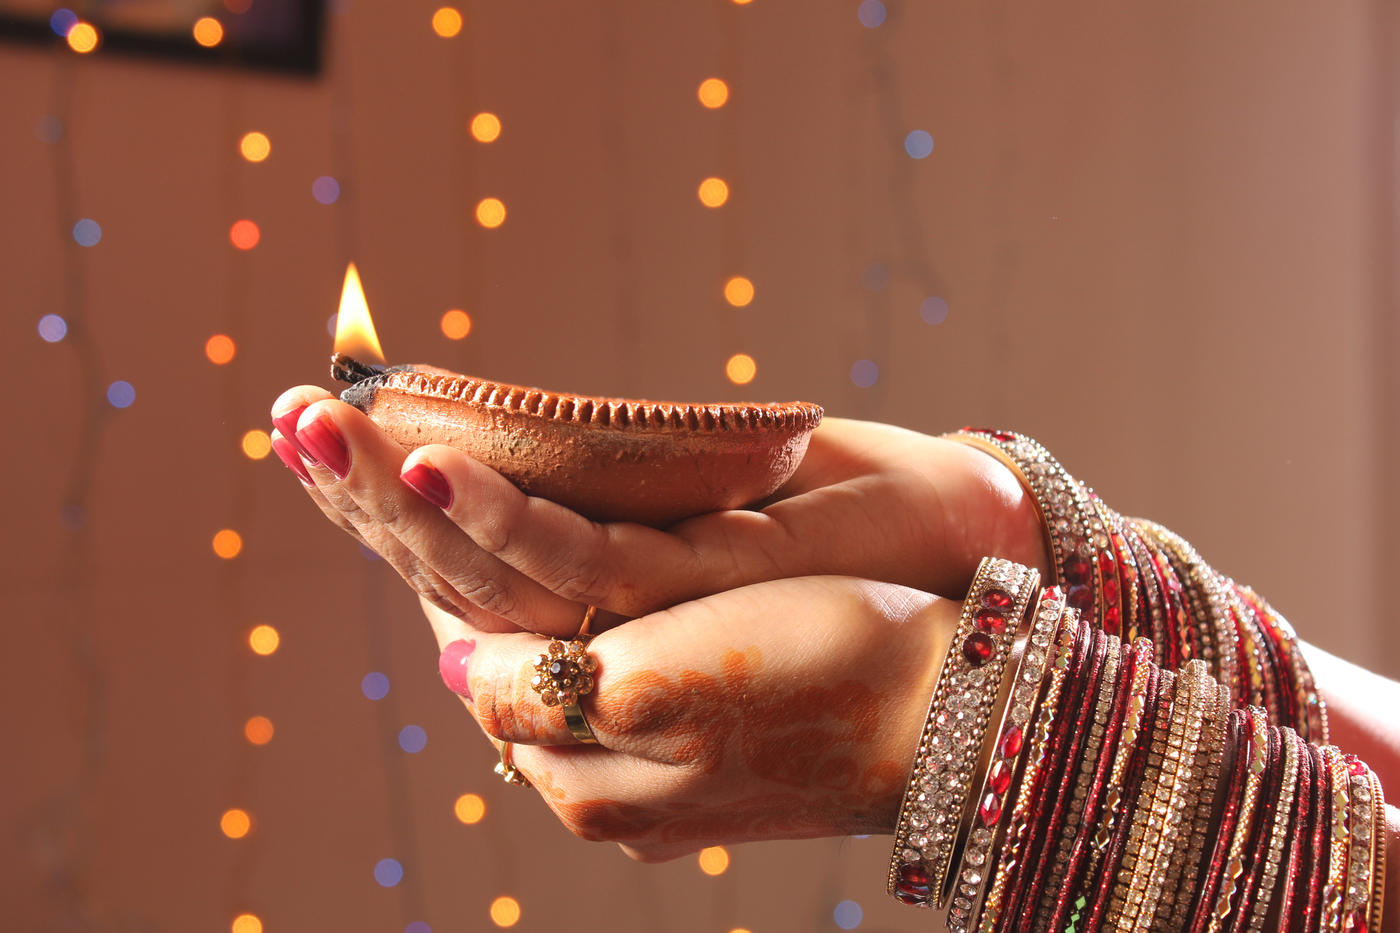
{"type": "Point", "coordinates": [610, 459]}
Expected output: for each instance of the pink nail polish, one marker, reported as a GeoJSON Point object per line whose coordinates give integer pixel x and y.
{"type": "Point", "coordinates": [288, 455]}
{"type": "Point", "coordinates": [453, 665]}
{"type": "Point", "coordinates": [429, 483]}
{"type": "Point", "coordinates": [322, 438]}
{"type": "Point", "coordinates": [287, 424]}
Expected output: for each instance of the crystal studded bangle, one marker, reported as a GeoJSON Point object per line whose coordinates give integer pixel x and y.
{"type": "Point", "coordinates": [951, 745]}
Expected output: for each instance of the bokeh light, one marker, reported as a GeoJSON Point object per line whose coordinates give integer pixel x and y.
{"type": "Point", "coordinates": [738, 291]}
{"type": "Point", "coordinates": [235, 823]}
{"type": "Point", "coordinates": [374, 685]}
{"type": "Point", "coordinates": [72, 516]}
{"type": "Point", "coordinates": [933, 310]}
{"type": "Point", "coordinates": [740, 369]}
{"type": "Point", "coordinates": [255, 146]}
{"type": "Point", "coordinates": [742, 2]}
{"type": "Point", "coordinates": [49, 128]}
{"type": "Point", "coordinates": [258, 730]}
{"type": "Point", "coordinates": [713, 93]}
{"type": "Point", "coordinates": [418, 926]}
{"type": "Point", "coordinates": [848, 915]}
{"type": "Point", "coordinates": [220, 349]}
{"type": "Point", "coordinates": [485, 127]}
{"type": "Point", "coordinates": [413, 739]}
{"type": "Point", "coordinates": [871, 13]}
{"type": "Point", "coordinates": [919, 144]}
{"type": "Point", "coordinates": [714, 860]}
{"type": "Point", "coordinates": [121, 394]}
{"type": "Point", "coordinates": [52, 328]}
{"type": "Point", "coordinates": [208, 31]}
{"type": "Point", "coordinates": [227, 543]}
{"type": "Point", "coordinates": [470, 808]}
{"type": "Point", "coordinates": [505, 911]}
{"type": "Point", "coordinates": [87, 232]}
{"type": "Point", "coordinates": [713, 192]}
{"type": "Point", "coordinates": [244, 234]}
{"type": "Point", "coordinates": [388, 872]}
{"type": "Point", "coordinates": [325, 189]}
{"type": "Point", "coordinates": [490, 212]}
{"type": "Point", "coordinates": [865, 373]}
{"type": "Point", "coordinates": [456, 324]}
{"type": "Point", "coordinates": [246, 923]}
{"type": "Point", "coordinates": [447, 22]}
{"type": "Point", "coordinates": [62, 20]}
{"type": "Point", "coordinates": [83, 37]}
{"type": "Point", "coordinates": [256, 444]}
{"type": "Point", "coordinates": [741, 930]}
{"type": "Point", "coordinates": [264, 639]}
{"type": "Point", "coordinates": [875, 276]}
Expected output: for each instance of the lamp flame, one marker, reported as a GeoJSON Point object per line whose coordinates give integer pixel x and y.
{"type": "Point", "coordinates": [354, 331]}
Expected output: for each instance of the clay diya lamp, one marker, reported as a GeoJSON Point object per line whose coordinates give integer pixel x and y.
{"type": "Point", "coordinates": [610, 459]}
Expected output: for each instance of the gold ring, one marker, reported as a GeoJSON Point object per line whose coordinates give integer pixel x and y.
{"type": "Point", "coordinates": [507, 769]}
{"type": "Point", "coordinates": [563, 674]}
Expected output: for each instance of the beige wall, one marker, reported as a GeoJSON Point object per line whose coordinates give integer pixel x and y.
{"type": "Point", "coordinates": [1167, 242]}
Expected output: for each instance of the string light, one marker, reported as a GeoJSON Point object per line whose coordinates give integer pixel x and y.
{"type": "Point", "coordinates": [490, 213]}
{"type": "Point", "coordinates": [255, 146]}
{"type": "Point", "coordinates": [470, 808]}
{"type": "Point", "coordinates": [714, 860]}
{"type": "Point", "coordinates": [738, 291]}
{"type": "Point", "coordinates": [220, 349]}
{"type": "Point", "coordinates": [208, 31]}
{"type": "Point", "coordinates": [456, 324]}
{"type": "Point", "coordinates": [83, 37]}
{"type": "Point", "coordinates": [258, 730]}
{"type": "Point", "coordinates": [256, 444]}
{"type": "Point", "coordinates": [713, 192]}
{"type": "Point", "coordinates": [447, 22]}
{"type": "Point", "coordinates": [246, 923]}
{"type": "Point", "coordinates": [505, 911]}
{"type": "Point", "coordinates": [485, 127]}
{"type": "Point", "coordinates": [235, 823]}
{"type": "Point", "coordinates": [227, 543]}
{"type": "Point", "coordinates": [713, 93]}
{"type": "Point", "coordinates": [264, 639]}
{"type": "Point", "coordinates": [740, 369]}
{"type": "Point", "coordinates": [244, 234]}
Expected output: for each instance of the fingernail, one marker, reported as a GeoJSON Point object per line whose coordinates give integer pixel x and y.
{"type": "Point", "coordinates": [322, 438]}
{"type": "Point", "coordinates": [453, 664]}
{"type": "Point", "coordinates": [428, 482]}
{"type": "Point", "coordinates": [287, 424]}
{"type": "Point", "coordinates": [288, 455]}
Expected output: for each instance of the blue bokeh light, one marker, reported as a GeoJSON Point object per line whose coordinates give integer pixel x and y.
{"type": "Point", "coordinates": [865, 373]}
{"type": "Point", "coordinates": [49, 129]}
{"type": "Point", "coordinates": [62, 20]}
{"type": "Point", "coordinates": [87, 232]}
{"type": "Point", "coordinates": [871, 13]}
{"type": "Point", "coordinates": [412, 739]}
{"type": "Point", "coordinates": [121, 394]}
{"type": "Point", "coordinates": [374, 685]}
{"type": "Point", "coordinates": [369, 553]}
{"type": "Point", "coordinates": [325, 189]}
{"type": "Point", "coordinates": [418, 926]}
{"type": "Point", "coordinates": [388, 872]}
{"type": "Point", "coordinates": [848, 915]}
{"type": "Point", "coordinates": [52, 328]}
{"type": "Point", "coordinates": [933, 310]}
{"type": "Point", "coordinates": [919, 144]}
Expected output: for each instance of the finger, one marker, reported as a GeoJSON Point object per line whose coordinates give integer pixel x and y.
{"type": "Point", "coordinates": [287, 409]}
{"type": "Point", "coordinates": [366, 466]}
{"type": "Point", "coordinates": [289, 456]}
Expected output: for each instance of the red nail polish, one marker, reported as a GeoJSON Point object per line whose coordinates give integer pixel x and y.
{"type": "Point", "coordinates": [288, 455]}
{"type": "Point", "coordinates": [429, 483]}
{"type": "Point", "coordinates": [454, 664]}
{"type": "Point", "coordinates": [287, 424]}
{"type": "Point", "coordinates": [322, 438]}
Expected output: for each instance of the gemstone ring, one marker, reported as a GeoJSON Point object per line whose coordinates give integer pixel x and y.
{"type": "Point", "coordinates": [563, 674]}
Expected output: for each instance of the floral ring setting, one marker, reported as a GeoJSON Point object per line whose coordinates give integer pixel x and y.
{"type": "Point", "coordinates": [563, 674]}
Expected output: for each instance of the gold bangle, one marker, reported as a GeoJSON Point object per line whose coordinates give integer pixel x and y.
{"type": "Point", "coordinates": [1234, 866]}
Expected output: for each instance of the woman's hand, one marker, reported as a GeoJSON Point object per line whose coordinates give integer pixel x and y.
{"type": "Point", "coordinates": [788, 709]}
{"type": "Point", "coordinates": [869, 500]}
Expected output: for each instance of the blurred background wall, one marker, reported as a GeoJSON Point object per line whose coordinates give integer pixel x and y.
{"type": "Point", "coordinates": [1161, 239]}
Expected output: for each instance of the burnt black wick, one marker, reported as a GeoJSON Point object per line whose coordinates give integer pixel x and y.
{"type": "Point", "coordinates": [348, 369]}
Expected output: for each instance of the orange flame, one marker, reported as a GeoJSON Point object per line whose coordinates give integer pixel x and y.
{"type": "Point", "coordinates": [354, 331]}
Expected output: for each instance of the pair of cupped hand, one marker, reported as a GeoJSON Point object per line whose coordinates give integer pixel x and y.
{"type": "Point", "coordinates": [761, 674]}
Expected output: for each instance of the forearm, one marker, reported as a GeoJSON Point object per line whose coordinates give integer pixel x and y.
{"type": "Point", "coordinates": [1361, 707]}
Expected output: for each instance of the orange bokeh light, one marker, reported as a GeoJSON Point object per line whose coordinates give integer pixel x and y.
{"type": "Point", "coordinates": [258, 730]}
{"type": "Point", "coordinates": [740, 369]}
{"type": "Point", "coordinates": [227, 543]}
{"type": "Point", "coordinates": [256, 444]}
{"type": "Point", "coordinates": [505, 911]}
{"type": "Point", "coordinates": [447, 22]}
{"type": "Point", "coordinates": [714, 860]}
{"type": "Point", "coordinates": [220, 349]}
{"type": "Point", "coordinates": [235, 823]}
{"type": "Point", "coordinates": [246, 923]}
{"type": "Point", "coordinates": [83, 38]}
{"type": "Point", "coordinates": [244, 234]}
{"type": "Point", "coordinates": [208, 31]}
{"type": "Point", "coordinates": [456, 324]}
{"type": "Point", "coordinates": [490, 213]}
{"type": "Point", "coordinates": [470, 808]}
{"type": "Point", "coordinates": [264, 639]}
{"type": "Point", "coordinates": [713, 93]}
{"type": "Point", "coordinates": [486, 127]}
{"type": "Point", "coordinates": [713, 192]}
{"type": "Point", "coordinates": [255, 146]}
{"type": "Point", "coordinates": [738, 291]}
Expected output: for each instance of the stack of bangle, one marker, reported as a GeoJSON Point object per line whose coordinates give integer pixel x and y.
{"type": "Point", "coordinates": [1116, 795]}
{"type": "Point", "coordinates": [1131, 577]}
